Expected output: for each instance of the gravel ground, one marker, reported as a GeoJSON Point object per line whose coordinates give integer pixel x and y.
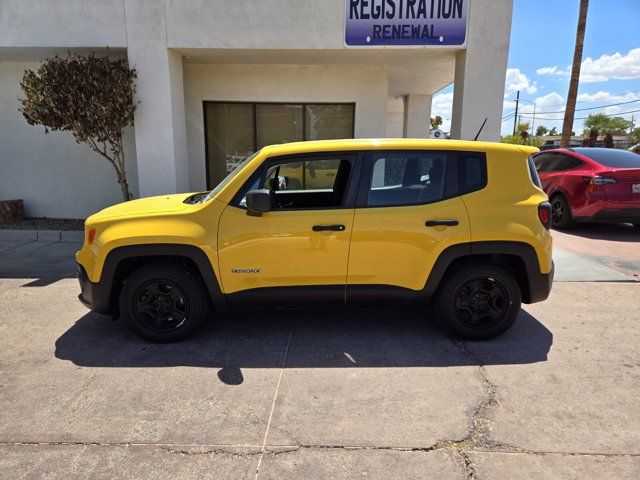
{"type": "Point", "coordinates": [46, 224]}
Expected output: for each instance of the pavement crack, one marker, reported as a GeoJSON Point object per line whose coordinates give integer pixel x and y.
{"type": "Point", "coordinates": [210, 451]}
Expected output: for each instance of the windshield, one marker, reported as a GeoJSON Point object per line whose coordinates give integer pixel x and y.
{"type": "Point", "coordinates": [610, 157]}
{"type": "Point", "coordinates": [229, 177]}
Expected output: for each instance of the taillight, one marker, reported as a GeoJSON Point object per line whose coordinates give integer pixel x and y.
{"type": "Point", "coordinates": [544, 214]}
{"type": "Point", "coordinates": [598, 180]}
{"type": "Point", "coordinates": [91, 235]}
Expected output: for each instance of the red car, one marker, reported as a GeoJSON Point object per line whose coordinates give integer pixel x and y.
{"type": "Point", "coordinates": [590, 184]}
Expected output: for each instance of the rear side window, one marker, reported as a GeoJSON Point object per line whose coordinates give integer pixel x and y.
{"type": "Point", "coordinates": [563, 162]}
{"type": "Point", "coordinates": [472, 171]}
{"type": "Point", "coordinates": [411, 178]}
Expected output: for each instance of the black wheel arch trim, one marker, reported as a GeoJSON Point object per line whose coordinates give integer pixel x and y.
{"type": "Point", "coordinates": [539, 284]}
{"type": "Point", "coordinates": [98, 296]}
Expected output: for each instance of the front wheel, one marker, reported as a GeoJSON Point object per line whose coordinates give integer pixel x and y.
{"type": "Point", "coordinates": [479, 302]}
{"type": "Point", "coordinates": [163, 302]}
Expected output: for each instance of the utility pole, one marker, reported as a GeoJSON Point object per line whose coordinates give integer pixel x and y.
{"type": "Point", "coordinates": [515, 117]}
{"type": "Point", "coordinates": [533, 122]}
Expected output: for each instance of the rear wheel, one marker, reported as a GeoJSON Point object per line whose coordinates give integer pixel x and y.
{"type": "Point", "coordinates": [560, 213]}
{"type": "Point", "coordinates": [479, 302]}
{"type": "Point", "coordinates": [163, 302]}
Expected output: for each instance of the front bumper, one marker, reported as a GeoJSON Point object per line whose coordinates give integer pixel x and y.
{"type": "Point", "coordinates": [94, 296]}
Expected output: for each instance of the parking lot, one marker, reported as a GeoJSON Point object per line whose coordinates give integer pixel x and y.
{"type": "Point", "coordinates": [325, 393]}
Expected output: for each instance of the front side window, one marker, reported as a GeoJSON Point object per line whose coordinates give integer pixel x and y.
{"type": "Point", "coordinates": [304, 184]}
{"type": "Point", "coordinates": [407, 179]}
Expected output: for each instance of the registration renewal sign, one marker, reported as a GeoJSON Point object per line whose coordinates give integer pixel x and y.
{"type": "Point", "coordinates": [405, 23]}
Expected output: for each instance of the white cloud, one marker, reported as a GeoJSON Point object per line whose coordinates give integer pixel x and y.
{"type": "Point", "coordinates": [559, 72]}
{"type": "Point", "coordinates": [516, 80]}
{"type": "Point", "coordinates": [442, 104]}
{"type": "Point", "coordinates": [607, 67]}
{"type": "Point", "coordinates": [550, 109]}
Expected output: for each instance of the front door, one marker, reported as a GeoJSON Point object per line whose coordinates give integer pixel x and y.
{"type": "Point", "coordinates": [409, 213]}
{"type": "Point", "coordinates": [299, 247]}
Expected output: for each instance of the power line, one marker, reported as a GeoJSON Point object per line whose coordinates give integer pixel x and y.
{"type": "Point", "coordinates": [617, 114]}
{"type": "Point", "coordinates": [595, 108]}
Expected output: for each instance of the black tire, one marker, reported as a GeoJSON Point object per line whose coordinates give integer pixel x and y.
{"type": "Point", "coordinates": [637, 225]}
{"type": "Point", "coordinates": [163, 302]}
{"type": "Point", "coordinates": [561, 213]}
{"type": "Point", "coordinates": [479, 302]}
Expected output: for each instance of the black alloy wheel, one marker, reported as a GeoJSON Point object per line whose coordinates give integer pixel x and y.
{"type": "Point", "coordinates": [560, 213]}
{"type": "Point", "coordinates": [478, 302]}
{"type": "Point", "coordinates": [161, 305]}
{"type": "Point", "coordinates": [164, 302]}
{"type": "Point", "coordinates": [481, 303]}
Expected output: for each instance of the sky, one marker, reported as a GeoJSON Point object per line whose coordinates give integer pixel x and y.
{"type": "Point", "coordinates": [540, 56]}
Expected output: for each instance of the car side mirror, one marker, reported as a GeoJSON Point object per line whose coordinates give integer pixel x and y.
{"type": "Point", "coordinates": [258, 202]}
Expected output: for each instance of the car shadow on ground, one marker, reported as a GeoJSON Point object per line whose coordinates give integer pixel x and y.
{"type": "Point", "coordinates": [307, 338]}
{"type": "Point", "coordinates": [617, 232]}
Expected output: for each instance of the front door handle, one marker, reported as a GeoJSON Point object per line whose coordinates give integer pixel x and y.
{"type": "Point", "coordinates": [445, 223]}
{"type": "Point", "coordinates": [324, 228]}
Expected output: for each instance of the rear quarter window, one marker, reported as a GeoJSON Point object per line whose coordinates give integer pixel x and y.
{"type": "Point", "coordinates": [533, 173]}
{"type": "Point", "coordinates": [472, 171]}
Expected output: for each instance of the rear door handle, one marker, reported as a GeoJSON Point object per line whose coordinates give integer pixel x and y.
{"type": "Point", "coordinates": [324, 228]}
{"type": "Point", "coordinates": [445, 223]}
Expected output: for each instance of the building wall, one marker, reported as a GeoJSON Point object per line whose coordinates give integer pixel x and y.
{"type": "Point", "coordinates": [52, 174]}
{"type": "Point", "coordinates": [364, 85]}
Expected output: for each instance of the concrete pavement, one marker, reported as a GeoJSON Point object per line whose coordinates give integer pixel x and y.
{"type": "Point", "coordinates": [315, 393]}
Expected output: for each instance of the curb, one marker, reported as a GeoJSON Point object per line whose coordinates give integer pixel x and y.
{"type": "Point", "coordinates": [42, 235]}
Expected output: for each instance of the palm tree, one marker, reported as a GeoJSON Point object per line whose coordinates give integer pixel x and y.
{"type": "Point", "coordinates": [570, 111]}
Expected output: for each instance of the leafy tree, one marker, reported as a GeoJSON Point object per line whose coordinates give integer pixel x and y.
{"type": "Point", "coordinates": [553, 131]}
{"type": "Point", "coordinates": [590, 138]}
{"type": "Point", "coordinates": [522, 138]}
{"type": "Point", "coordinates": [634, 136]}
{"type": "Point", "coordinates": [91, 97]}
{"type": "Point", "coordinates": [523, 127]}
{"type": "Point", "coordinates": [436, 122]}
{"type": "Point", "coordinates": [541, 130]}
{"type": "Point", "coordinates": [606, 125]}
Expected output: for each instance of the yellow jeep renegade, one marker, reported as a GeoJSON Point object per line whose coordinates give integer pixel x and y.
{"type": "Point", "coordinates": [461, 224]}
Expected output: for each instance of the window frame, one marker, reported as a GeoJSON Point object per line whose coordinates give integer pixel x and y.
{"type": "Point", "coordinates": [451, 186]}
{"type": "Point", "coordinates": [255, 123]}
{"type": "Point", "coordinates": [349, 199]}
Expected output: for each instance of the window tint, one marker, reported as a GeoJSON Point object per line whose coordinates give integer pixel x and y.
{"type": "Point", "coordinates": [473, 172]}
{"type": "Point", "coordinates": [533, 173]}
{"type": "Point", "coordinates": [610, 157]}
{"type": "Point", "coordinates": [564, 162]}
{"type": "Point", "coordinates": [543, 161]}
{"type": "Point", "coordinates": [407, 179]}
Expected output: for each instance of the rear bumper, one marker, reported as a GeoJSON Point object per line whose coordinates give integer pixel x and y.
{"type": "Point", "coordinates": [621, 215]}
{"type": "Point", "coordinates": [94, 296]}
{"type": "Point", "coordinates": [540, 285]}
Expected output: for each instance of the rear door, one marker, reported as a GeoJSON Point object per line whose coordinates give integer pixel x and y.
{"type": "Point", "coordinates": [408, 212]}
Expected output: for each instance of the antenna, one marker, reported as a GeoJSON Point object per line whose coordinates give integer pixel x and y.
{"type": "Point", "coordinates": [481, 127]}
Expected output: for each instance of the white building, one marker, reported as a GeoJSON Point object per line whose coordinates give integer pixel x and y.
{"type": "Point", "coordinates": [219, 78]}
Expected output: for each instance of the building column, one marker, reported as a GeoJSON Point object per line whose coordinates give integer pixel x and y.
{"type": "Point", "coordinates": [417, 116]}
{"type": "Point", "coordinates": [160, 128]}
{"type": "Point", "coordinates": [478, 91]}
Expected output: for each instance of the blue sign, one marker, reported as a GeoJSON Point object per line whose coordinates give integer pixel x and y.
{"type": "Point", "coordinates": [405, 22]}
